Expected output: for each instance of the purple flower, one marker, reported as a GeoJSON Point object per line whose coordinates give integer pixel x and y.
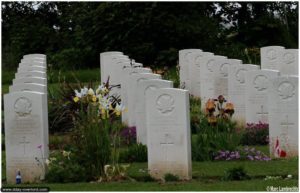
{"type": "Point", "coordinates": [250, 157]}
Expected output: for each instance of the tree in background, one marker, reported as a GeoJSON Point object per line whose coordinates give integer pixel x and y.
{"type": "Point", "coordinates": [72, 34]}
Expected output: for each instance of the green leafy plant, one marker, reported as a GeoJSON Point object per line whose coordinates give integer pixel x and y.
{"type": "Point", "coordinates": [195, 114]}
{"type": "Point", "coordinates": [63, 167]}
{"type": "Point", "coordinates": [168, 177]}
{"type": "Point", "coordinates": [134, 153]}
{"type": "Point", "coordinates": [97, 128]}
{"type": "Point", "coordinates": [255, 134]}
{"type": "Point", "coordinates": [216, 132]}
{"type": "Point", "coordinates": [236, 173]}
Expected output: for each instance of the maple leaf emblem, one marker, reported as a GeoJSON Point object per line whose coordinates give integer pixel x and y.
{"type": "Point", "coordinates": [165, 103]}
{"type": "Point", "coordinates": [286, 90]}
{"type": "Point", "coordinates": [260, 82]}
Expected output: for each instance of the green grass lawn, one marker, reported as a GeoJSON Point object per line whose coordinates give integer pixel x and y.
{"type": "Point", "coordinates": [249, 185]}
{"type": "Point", "coordinates": [207, 176]}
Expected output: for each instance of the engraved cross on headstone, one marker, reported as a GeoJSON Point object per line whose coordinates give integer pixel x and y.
{"type": "Point", "coordinates": [24, 142]}
{"type": "Point", "coordinates": [285, 125]}
{"type": "Point", "coordinates": [167, 141]}
{"type": "Point", "coordinates": [263, 114]}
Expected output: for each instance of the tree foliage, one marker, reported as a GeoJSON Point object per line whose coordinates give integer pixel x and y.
{"type": "Point", "coordinates": [72, 34]}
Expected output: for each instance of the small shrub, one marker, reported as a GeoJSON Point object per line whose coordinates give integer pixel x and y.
{"type": "Point", "coordinates": [63, 167]}
{"type": "Point", "coordinates": [171, 177]}
{"type": "Point", "coordinates": [134, 153]}
{"type": "Point", "coordinates": [256, 134]}
{"type": "Point", "coordinates": [216, 131]}
{"type": "Point", "coordinates": [146, 178]}
{"type": "Point", "coordinates": [237, 173]}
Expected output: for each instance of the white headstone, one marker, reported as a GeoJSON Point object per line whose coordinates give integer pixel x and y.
{"type": "Point", "coordinates": [207, 71]}
{"type": "Point", "coordinates": [289, 64]}
{"type": "Point", "coordinates": [134, 79]}
{"type": "Point", "coordinates": [36, 80]}
{"type": "Point", "coordinates": [105, 61]}
{"type": "Point", "coordinates": [270, 57]}
{"type": "Point", "coordinates": [31, 62]}
{"type": "Point", "coordinates": [31, 68]}
{"type": "Point", "coordinates": [194, 71]}
{"type": "Point", "coordinates": [283, 115]}
{"type": "Point", "coordinates": [30, 74]}
{"type": "Point", "coordinates": [236, 88]}
{"type": "Point", "coordinates": [115, 72]}
{"type": "Point", "coordinates": [257, 86]}
{"type": "Point", "coordinates": [124, 81]}
{"type": "Point", "coordinates": [27, 63]}
{"type": "Point", "coordinates": [220, 79]}
{"type": "Point", "coordinates": [43, 56]}
{"type": "Point", "coordinates": [184, 63]}
{"type": "Point", "coordinates": [143, 87]}
{"type": "Point", "coordinates": [28, 87]}
{"type": "Point", "coordinates": [168, 133]}
{"type": "Point", "coordinates": [26, 135]}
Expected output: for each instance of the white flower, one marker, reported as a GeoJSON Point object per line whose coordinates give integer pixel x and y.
{"type": "Point", "coordinates": [84, 91]}
{"type": "Point", "coordinates": [48, 162]}
{"type": "Point", "coordinates": [66, 153]}
{"type": "Point", "coordinates": [289, 176]}
{"type": "Point", "coordinates": [100, 89]}
{"type": "Point", "coordinates": [78, 94]}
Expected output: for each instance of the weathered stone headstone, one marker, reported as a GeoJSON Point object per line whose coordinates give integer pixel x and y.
{"type": "Point", "coordinates": [105, 61]}
{"type": "Point", "coordinates": [220, 76]}
{"type": "Point", "coordinates": [270, 57]}
{"type": "Point", "coordinates": [257, 86]}
{"type": "Point", "coordinates": [31, 68]}
{"type": "Point", "coordinates": [168, 133]}
{"type": "Point", "coordinates": [115, 72]}
{"type": "Point", "coordinates": [143, 87]}
{"type": "Point", "coordinates": [207, 70]}
{"type": "Point", "coordinates": [26, 135]}
{"type": "Point", "coordinates": [283, 116]}
{"type": "Point", "coordinates": [124, 90]}
{"type": "Point", "coordinates": [26, 64]}
{"type": "Point", "coordinates": [30, 74]}
{"type": "Point", "coordinates": [39, 56]}
{"type": "Point", "coordinates": [184, 63]}
{"type": "Point", "coordinates": [236, 88]}
{"type": "Point", "coordinates": [28, 87]}
{"type": "Point", "coordinates": [289, 64]}
{"type": "Point", "coordinates": [134, 79]}
{"type": "Point", "coordinates": [36, 80]}
{"type": "Point", "coordinates": [194, 68]}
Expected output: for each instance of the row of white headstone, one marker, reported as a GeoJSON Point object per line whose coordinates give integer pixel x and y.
{"type": "Point", "coordinates": [26, 121]}
{"type": "Point", "coordinates": [159, 112]}
{"type": "Point", "coordinates": [267, 95]}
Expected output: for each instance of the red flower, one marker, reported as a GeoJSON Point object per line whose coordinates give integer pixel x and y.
{"type": "Point", "coordinates": [282, 153]}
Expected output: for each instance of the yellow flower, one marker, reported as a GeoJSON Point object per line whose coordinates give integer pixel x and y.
{"type": "Point", "coordinates": [94, 98]}
{"type": "Point", "coordinates": [76, 99]}
{"type": "Point", "coordinates": [118, 109]}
